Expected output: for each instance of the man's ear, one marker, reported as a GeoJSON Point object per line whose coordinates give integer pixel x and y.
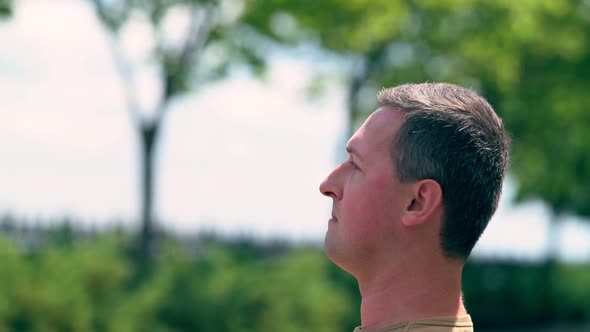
{"type": "Point", "coordinates": [426, 198]}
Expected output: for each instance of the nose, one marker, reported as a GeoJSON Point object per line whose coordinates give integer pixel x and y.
{"type": "Point", "coordinates": [330, 187]}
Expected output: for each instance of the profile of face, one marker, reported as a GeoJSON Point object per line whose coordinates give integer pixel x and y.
{"type": "Point", "coordinates": [368, 200]}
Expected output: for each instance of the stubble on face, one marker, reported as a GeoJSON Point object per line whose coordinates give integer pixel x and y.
{"type": "Point", "coordinates": [370, 204]}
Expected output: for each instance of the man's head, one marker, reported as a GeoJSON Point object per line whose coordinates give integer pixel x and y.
{"type": "Point", "coordinates": [437, 149]}
{"type": "Point", "coordinates": [453, 136]}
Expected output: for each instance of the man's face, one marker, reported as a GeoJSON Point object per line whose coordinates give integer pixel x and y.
{"type": "Point", "coordinates": [367, 197]}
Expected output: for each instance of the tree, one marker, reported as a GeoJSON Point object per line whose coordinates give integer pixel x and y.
{"type": "Point", "coordinates": [531, 59]}
{"type": "Point", "coordinates": [359, 31]}
{"type": "Point", "coordinates": [5, 9]}
{"type": "Point", "coordinates": [213, 40]}
{"type": "Point", "coordinates": [541, 95]}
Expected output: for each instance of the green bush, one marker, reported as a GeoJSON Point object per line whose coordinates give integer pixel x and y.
{"type": "Point", "coordinates": [90, 284]}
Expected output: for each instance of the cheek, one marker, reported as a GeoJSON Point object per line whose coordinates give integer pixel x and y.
{"type": "Point", "coordinates": [374, 210]}
{"type": "Point", "coordinates": [384, 203]}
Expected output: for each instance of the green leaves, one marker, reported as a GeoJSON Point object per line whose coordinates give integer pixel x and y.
{"type": "Point", "coordinates": [531, 59]}
{"type": "Point", "coordinates": [245, 286]}
{"type": "Point", "coordinates": [231, 285]}
{"type": "Point", "coordinates": [5, 9]}
{"type": "Point", "coordinates": [60, 288]}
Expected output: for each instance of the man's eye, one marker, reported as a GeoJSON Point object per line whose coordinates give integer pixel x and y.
{"type": "Point", "coordinates": [353, 164]}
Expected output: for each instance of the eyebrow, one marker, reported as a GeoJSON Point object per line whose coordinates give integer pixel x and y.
{"type": "Point", "coordinates": [351, 150]}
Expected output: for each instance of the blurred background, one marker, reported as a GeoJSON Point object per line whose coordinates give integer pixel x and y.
{"type": "Point", "coordinates": [160, 159]}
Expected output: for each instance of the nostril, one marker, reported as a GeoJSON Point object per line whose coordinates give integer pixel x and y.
{"type": "Point", "coordinates": [329, 194]}
{"type": "Point", "coordinates": [324, 188]}
{"type": "Point", "coordinates": [329, 189]}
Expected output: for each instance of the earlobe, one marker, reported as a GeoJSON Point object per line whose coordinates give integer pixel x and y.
{"type": "Point", "coordinates": [426, 199]}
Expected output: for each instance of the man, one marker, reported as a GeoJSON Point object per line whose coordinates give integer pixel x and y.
{"type": "Point", "coordinates": [423, 179]}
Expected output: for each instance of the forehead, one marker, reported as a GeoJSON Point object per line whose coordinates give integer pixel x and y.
{"type": "Point", "coordinates": [378, 130]}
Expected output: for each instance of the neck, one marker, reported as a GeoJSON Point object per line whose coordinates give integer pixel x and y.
{"type": "Point", "coordinates": [396, 296]}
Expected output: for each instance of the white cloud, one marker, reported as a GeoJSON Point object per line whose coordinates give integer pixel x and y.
{"type": "Point", "coordinates": [241, 153]}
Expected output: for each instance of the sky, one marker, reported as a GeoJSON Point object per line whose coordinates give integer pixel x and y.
{"type": "Point", "coordinates": [239, 156]}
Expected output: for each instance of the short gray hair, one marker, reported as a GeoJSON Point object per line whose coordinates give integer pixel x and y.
{"type": "Point", "coordinates": [451, 135]}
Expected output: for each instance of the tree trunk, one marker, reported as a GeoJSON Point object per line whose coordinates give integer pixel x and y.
{"type": "Point", "coordinates": [550, 265]}
{"type": "Point", "coordinates": [148, 140]}
{"type": "Point", "coordinates": [352, 110]}
{"type": "Point", "coordinates": [553, 236]}
{"type": "Point", "coordinates": [367, 66]}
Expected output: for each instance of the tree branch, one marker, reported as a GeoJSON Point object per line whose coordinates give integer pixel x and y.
{"type": "Point", "coordinates": [126, 74]}
{"type": "Point", "coordinates": [370, 63]}
{"type": "Point", "coordinates": [199, 31]}
{"type": "Point", "coordinates": [121, 65]}
{"type": "Point", "coordinates": [196, 38]}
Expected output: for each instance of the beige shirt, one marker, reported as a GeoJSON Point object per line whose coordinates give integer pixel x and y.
{"type": "Point", "coordinates": [438, 324]}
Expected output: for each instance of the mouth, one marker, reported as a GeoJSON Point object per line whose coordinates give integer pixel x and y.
{"type": "Point", "coordinates": [333, 219]}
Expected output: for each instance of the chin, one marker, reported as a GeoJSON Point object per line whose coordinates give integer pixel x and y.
{"type": "Point", "coordinates": [329, 249]}
{"type": "Point", "coordinates": [335, 255]}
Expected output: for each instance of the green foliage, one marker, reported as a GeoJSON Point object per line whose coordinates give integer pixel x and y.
{"type": "Point", "coordinates": [60, 288]}
{"type": "Point", "coordinates": [89, 286]}
{"type": "Point", "coordinates": [5, 9]}
{"type": "Point", "coordinates": [526, 294]}
{"type": "Point", "coordinates": [491, 287]}
{"type": "Point", "coordinates": [351, 26]}
{"type": "Point", "coordinates": [216, 39]}
{"type": "Point", "coordinates": [531, 59]}
{"type": "Point", "coordinates": [223, 292]}
{"type": "Point", "coordinates": [213, 40]}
